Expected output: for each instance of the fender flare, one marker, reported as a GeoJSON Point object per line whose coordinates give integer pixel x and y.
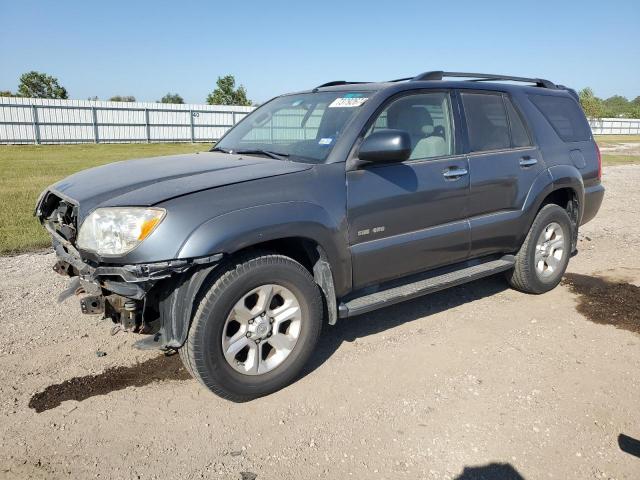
{"type": "Point", "coordinates": [568, 176]}
{"type": "Point", "coordinates": [552, 179]}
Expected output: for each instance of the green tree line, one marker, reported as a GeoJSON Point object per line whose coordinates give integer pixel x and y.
{"type": "Point", "coordinates": [612, 107]}
{"type": "Point", "coordinates": [41, 85]}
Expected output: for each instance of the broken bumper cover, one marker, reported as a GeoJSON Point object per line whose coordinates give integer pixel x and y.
{"type": "Point", "coordinates": [131, 281]}
{"type": "Point", "coordinates": [145, 293]}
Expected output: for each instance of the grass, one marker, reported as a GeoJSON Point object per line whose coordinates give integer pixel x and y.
{"type": "Point", "coordinates": [613, 139]}
{"type": "Point", "coordinates": [25, 170]}
{"type": "Point", "coordinates": [618, 158]}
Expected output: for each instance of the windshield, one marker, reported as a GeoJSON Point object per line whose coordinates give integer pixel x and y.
{"type": "Point", "coordinates": [301, 127]}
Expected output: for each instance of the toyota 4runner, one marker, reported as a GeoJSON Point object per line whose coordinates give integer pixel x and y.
{"type": "Point", "coordinates": [323, 205]}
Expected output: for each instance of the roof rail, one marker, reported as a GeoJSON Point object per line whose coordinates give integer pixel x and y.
{"type": "Point", "coordinates": [338, 82]}
{"type": "Point", "coordinates": [482, 77]}
{"type": "Point", "coordinates": [400, 79]}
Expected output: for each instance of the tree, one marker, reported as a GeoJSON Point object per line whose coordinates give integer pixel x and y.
{"type": "Point", "coordinates": [227, 94]}
{"type": "Point", "coordinates": [616, 106]}
{"type": "Point", "coordinates": [592, 105]}
{"type": "Point", "coordinates": [171, 98]}
{"type": "Point", "coordinates": [122, 98]}
{"type": "Point", "coordinates": [6, 93]}
{"type": "Point", "coordinates": [40, 85]}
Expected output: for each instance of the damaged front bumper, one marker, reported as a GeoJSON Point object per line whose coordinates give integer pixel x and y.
{"type": "Point", "coordinates": [131, 295]}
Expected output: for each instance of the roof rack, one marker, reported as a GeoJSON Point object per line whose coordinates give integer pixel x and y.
{"type": "Point", "coordinates": [474, 77]}
{"type": "Point", "coordinates": [482, 77]}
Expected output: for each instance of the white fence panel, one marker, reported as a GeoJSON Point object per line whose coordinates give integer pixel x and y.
{"type": "Point", "coordinates": [34, 120]}
{"type": "Point", "coordinates": [615, 126]}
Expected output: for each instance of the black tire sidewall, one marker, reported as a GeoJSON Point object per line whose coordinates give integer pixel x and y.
{"type": "Point", "coordinates": [212, 365]}
{"type": "Point", "coordinates": [549, 214]}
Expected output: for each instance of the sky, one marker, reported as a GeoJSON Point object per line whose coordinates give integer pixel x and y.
{"type": "Point", "coordinates": [148, 48]}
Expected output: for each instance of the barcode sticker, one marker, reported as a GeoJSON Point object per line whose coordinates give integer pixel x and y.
{"type": "Point", "coordinates": [348, 102]}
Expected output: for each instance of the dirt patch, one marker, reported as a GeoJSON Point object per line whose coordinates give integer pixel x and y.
{"type": "Point", "coordinates": [115, 378]}
{"type": "Point", "coordinates": [480, 381]}
{"type": "Point", "coordinates": [632, 148]}
{"type": "Point", "coordinates": [607, 302]}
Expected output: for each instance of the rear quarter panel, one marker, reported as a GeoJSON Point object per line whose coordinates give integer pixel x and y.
{"type": "Point", "coordinates": [571, 164]}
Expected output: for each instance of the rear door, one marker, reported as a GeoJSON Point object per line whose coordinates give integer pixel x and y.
{"type": "Point", "coordinates": [503, 163]}
{"type": "Point", "coordinates": [411, 216]}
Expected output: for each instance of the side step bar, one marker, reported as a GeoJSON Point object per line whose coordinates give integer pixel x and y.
{"type": "Point", "coordinates": [422, 285]}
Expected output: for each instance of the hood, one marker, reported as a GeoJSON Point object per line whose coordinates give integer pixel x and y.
{"type": "Point", "coordinates": [148, 181]}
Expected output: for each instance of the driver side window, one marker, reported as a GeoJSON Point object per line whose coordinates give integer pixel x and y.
{"type": "Point", "coordinates": [426, 117]}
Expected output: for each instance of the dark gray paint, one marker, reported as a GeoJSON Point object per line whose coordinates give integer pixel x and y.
{"type": "Point", "coordinates": [219, 203]}
{"type": "Point", "coordinates": [424, 217]}
{"type": "Point", "coordinates": [148, 181]}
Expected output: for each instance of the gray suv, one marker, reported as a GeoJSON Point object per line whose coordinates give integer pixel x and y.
{"type": "Point", "coordinates": [323, 205]}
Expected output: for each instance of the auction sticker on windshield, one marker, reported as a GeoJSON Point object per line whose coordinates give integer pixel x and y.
{"type": "Point", "coordinates": [348, 102]}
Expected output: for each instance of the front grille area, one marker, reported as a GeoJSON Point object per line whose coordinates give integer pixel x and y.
{"type": "Point", "coordinates": [60, 215]}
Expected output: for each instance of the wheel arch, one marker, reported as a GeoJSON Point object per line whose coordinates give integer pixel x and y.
{"type": "Point", "coordinates": [560, 185]}
{"type": "Point", "coordinates": [312, 256]}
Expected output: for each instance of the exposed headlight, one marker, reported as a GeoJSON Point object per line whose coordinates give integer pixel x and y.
{"type": "Point", "coordinates": [118, 230]}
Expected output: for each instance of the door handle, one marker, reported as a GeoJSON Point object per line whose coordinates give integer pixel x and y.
{"type": "Point", "coordinates": [528, 161]}
{"type": "Point", "coordinates": [454, 173]}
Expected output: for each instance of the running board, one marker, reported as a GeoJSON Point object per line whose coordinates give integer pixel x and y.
{"type": "Point", "coordinates": [426, 283]}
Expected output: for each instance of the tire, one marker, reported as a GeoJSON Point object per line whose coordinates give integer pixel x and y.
{"type": "Point", "coordinates": [226, 314]}
{"type": "Point", "coordinates": [527, 275]}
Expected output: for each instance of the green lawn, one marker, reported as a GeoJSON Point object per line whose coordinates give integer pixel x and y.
{"type": "Point", "coordinates": [612, 139]}
{"type": "Point", "coordinates": [619, 158]}
{"type": "Point", "coordinates": [25, 170]}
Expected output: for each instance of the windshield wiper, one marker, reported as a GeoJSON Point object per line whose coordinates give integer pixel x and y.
{"type": "Point", "coordinates": [220, 149]}
{"type": "Point", "coordinates": [268, 153]}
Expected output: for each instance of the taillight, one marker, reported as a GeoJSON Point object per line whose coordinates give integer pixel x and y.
{"type": "Point", "coordinates": [599, 161]}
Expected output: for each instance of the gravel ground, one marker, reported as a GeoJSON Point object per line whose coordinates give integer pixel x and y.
{"type": "Point", "coordinates": [476, 382]}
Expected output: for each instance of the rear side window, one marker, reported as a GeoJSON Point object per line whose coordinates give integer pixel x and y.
{"type": "Point", "coordinates": [565, 116]}
{"type": "Point", "coordinates": [519, 135]}
{"type": "Point", "coordinates": [486, 122]}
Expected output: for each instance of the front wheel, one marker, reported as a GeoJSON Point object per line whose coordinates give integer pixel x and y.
{"type": "Point", "coordinates": [255, 328]}
{"type": "Point", "coordinates": [544, 255]}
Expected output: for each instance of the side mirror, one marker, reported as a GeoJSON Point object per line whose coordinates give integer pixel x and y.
{"type": "Point", "coordinates": [386, 145]}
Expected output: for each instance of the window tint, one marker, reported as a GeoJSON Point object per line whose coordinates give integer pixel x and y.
{"type": "Point", "coordinates": [426, 118]}
{"type": "Point", "coordinates": [519, 135]}
{"type": "Point", "coordinates": [486, 121]}
{"type": "Point", "coordinates": [565, 116]}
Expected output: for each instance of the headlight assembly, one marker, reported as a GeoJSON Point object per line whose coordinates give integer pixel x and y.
{"type": "Point", "coordinates": [118, 230]}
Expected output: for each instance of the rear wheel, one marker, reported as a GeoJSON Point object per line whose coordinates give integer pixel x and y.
{"type": "Point", "coordinates": [255, 328]}
{"type": "Point", "coordinates": [544, 255]}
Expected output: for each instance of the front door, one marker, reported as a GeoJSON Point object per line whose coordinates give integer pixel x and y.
{"type": "Point", "coordinates": [411, 216]}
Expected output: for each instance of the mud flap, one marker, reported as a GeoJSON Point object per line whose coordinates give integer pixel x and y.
{"type": "Point", "coordinates": [573, 212]}
{"type": "Point", "coordinates": [177, 307]}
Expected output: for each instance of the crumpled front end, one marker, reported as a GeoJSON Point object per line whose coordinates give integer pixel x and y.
{"type": "Point", "coordinates": [132, 296]}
